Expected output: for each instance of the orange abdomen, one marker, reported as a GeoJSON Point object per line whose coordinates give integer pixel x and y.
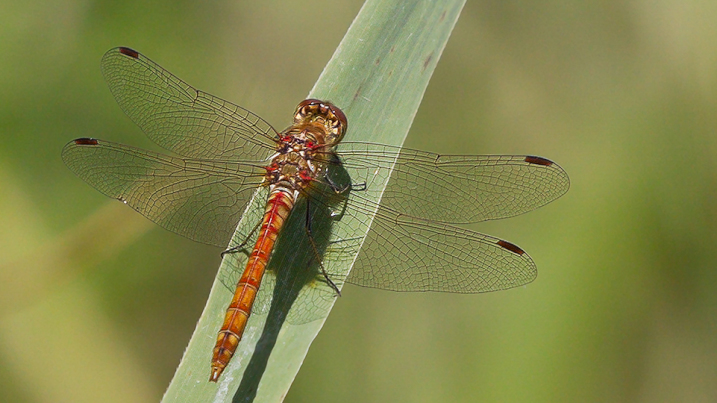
{"type": "Point", "coordinates": [277, 210]}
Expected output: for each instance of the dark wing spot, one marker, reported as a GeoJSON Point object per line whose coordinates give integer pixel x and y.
{"type": "Point", "coordinates": [129, 52]}
{"type": "Point", "coordinates": [513, 248]}
{"type": "Point", "coordinates": [538, 161]}
{"type": "Point", "coordinates": [86, 142]}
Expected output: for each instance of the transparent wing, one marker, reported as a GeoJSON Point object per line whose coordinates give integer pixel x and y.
{"type": "Point", "coordinates": [400, 253]}
{"type": "Point", "coordinates": [180, 118]}
{"type": "Point", "coordinates": [404, 253]}
{"type": "Point", "coordinates": [200, 199]}
{"type": "Point", "coordinates": [410, 247]}
{"type": "Point", "coordinates": [455, 188]}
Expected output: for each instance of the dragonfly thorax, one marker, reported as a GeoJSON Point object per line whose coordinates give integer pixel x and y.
{"type": "Point", "coordinates": [304, 148]}
{"type": "Point", "coordinates": [299, 159]}
{"type": "Point", "coordinates": [290, 170]}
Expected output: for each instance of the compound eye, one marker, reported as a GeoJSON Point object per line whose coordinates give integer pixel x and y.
{"type": "Point", "coordinates": [305, 108]}
{"type": "Point", "coordinates": [334, 118]}
{"type": "Point", "coordinates": [309, 102]}
{"type": "Point", "coordinates": [341, 118]}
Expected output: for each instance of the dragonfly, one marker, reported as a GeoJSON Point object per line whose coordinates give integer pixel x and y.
{"type": "Point", "coordinates": [225, 154]}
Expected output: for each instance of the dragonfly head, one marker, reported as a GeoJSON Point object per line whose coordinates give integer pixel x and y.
{"type": "Point", "coordinates": [324, 113]}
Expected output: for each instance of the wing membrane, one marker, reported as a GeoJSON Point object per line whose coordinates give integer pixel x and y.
{"type": "Point", "coordinates": [180, 118]}
{"type": "Point", "coordinates": [456, 188]}
{"type": "Point", "coordinates": [404, 253]}
{"type": "Point", "coordinates": [200, 199]}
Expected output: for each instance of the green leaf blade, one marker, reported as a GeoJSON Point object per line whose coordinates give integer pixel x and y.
{"type": "Point", "coordinates": [377, 76]}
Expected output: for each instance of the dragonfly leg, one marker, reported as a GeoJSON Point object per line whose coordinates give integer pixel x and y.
{"type": "Point", "coordinates": [339, 190]}
{"type": "Point", "coordinates": [315, 248]}
{"type": "Point", "coordinates": [242, 246]}
{"type": "Point", "coordinates": [359, 187]}
{"type": "Point", "coordinates": [343, 189]}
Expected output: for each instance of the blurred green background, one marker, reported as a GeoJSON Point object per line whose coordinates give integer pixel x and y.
{"type": "Point", "coordinates": [97, 303]}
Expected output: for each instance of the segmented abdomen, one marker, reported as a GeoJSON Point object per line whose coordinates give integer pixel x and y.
{"type": "Point", "coordinates": [278, 207]}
